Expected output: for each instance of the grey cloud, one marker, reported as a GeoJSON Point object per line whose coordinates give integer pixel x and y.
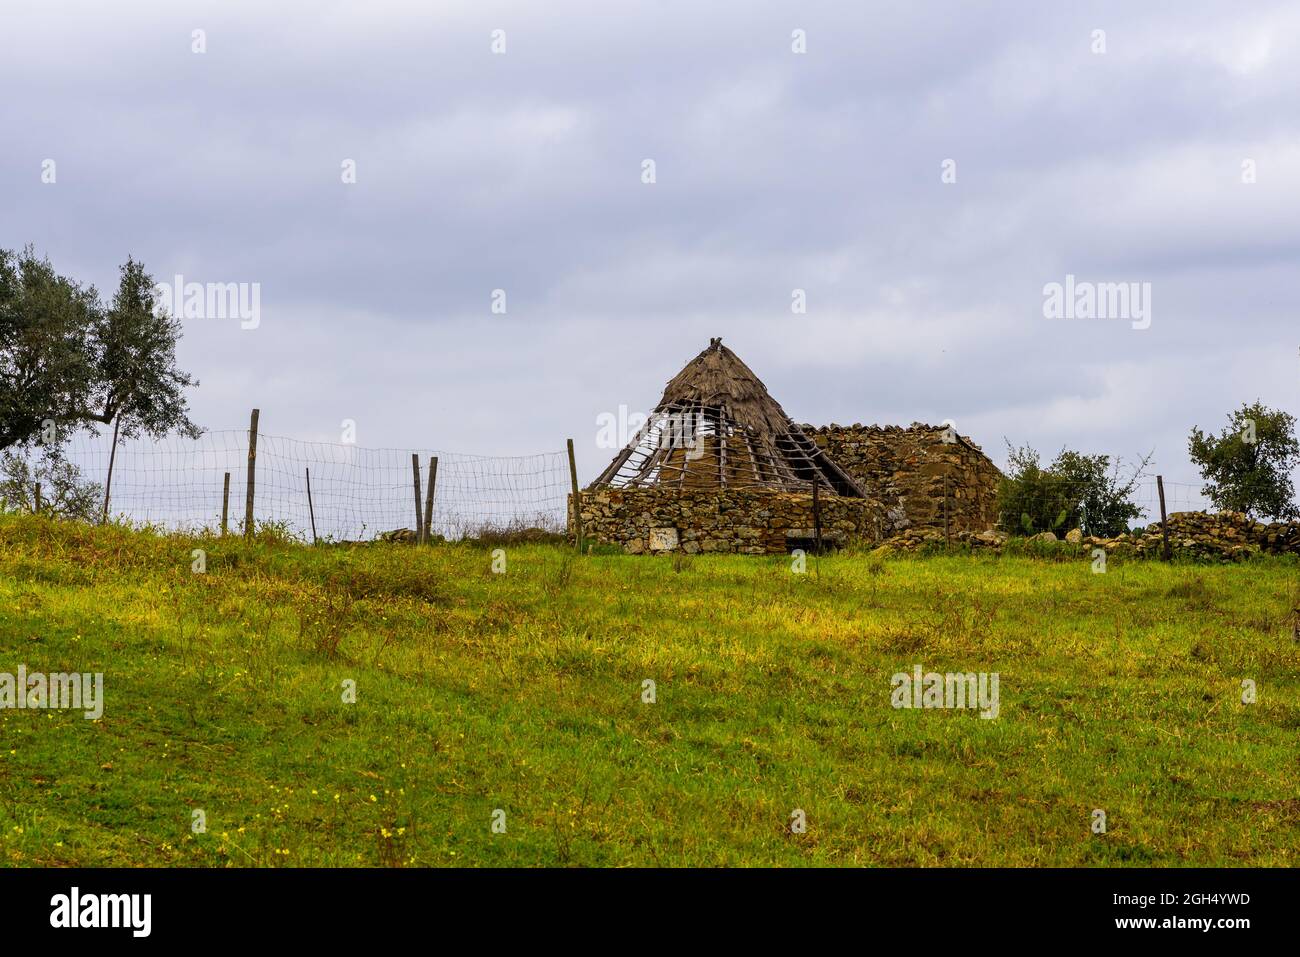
{"type": "Point", "coordinates": [775, 171]}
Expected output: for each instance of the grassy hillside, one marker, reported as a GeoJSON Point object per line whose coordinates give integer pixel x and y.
{"type": "Point", "coordinates": [522, 691]}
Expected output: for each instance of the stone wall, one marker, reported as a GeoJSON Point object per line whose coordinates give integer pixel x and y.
{"type": "Point", "coordinates": [911, 470]}
{"type": "Point", "coordinates": [1205, 536]}
{"type": "Point", "coordinates": [747, 521]}
{"type": "Point", "coordinates": [1213, 535]}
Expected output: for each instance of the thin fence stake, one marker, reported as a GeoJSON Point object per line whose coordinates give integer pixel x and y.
{"type": "Point", "coordinates": [428, 500]}
{"type": "Point", "coordinates": [36, 507]}
{"type": "Point", "coordinates": [225, 504]}
{"type": "Point", "coordinates": [112, 455]}
{"type": "Point", "coordinates": [1164, 521]}
{"type": "Point", "coordinates": [415, 479]}
{"type": "Point", "coordinates": [947, 534]}
{"type": "Point", "coordinates": [577, 501]}
{"type": "Point", "coordinates": [310, 510]}
{"type": "Point", "coordinates": [817, 517]}
{"type": "Point", "coordinates": [252, 475]}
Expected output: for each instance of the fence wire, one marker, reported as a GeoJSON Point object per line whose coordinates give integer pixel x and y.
{"type": "Point", "coordinates": [356, 493]}
{"type": "Point", "coordinates": [359, 493]}
{"type": "Point", "coordinates": [1045, 495]}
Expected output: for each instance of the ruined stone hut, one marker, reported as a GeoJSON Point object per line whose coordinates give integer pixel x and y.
{"type": "Point", "coordinates": [720, 467]}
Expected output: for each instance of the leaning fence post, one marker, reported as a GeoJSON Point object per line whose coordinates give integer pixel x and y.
{"type": "Point", "coordinates": [428, 500]}
{"type": "Point", "coordinates": [311, 512]}
{"type": "Point", "coordinates": [577, 501]}
{"type": "Point", "coordinates": [225, 504]}
{"type": "Point", "coordinates": [1164, 522]}
{"type": "Point", "coordinates": [252, 475]}
{"type": "Point", "coordinates": [415, 479]}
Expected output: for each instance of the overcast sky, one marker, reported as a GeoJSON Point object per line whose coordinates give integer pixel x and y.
{"type": "Point", "coordinates": [774, 171]}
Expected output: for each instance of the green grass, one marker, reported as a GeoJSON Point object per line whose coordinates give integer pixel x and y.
{"type": "Point", "coordinates": [522, 691]}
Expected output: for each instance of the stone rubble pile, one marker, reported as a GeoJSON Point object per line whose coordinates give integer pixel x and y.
{"type": "Point", "coordinates": [1229, 536]}
{"type": "Point", "coordinates": [1221, 535]}
{"type": "Point", "coordinates": [916, 538]}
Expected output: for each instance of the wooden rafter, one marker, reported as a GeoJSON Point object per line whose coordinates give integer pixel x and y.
{"type": "Point", "coordinates": [717, 395]}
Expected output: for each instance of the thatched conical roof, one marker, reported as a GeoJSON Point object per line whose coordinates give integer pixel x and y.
{"type": "Point", "coordinates": [716, 425]}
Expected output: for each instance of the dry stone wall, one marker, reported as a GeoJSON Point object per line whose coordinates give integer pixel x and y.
{"type": "Point", "coordinates": [746, 521]}
{"type": "Point", "coordinates": [1208, 536]}
{"type": "Point", "coordinates": [916, 472]}
{"type": "Point", "coordinates": [1214, 535]}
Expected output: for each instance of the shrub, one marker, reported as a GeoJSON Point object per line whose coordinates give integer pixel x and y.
{"type": "Point", "coordinates": [63, 493]}
{"type": "Point", "coordinates": [1075, 491]}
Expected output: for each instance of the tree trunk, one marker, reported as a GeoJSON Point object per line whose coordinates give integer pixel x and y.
{"type": "Point", "coordinates": [112, 456]}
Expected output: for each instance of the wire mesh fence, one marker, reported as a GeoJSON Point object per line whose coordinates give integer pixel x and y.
{"type": "Point", "coordinates": [355, 493]}
{"type": "Point", "coordinates": [1046, 499]}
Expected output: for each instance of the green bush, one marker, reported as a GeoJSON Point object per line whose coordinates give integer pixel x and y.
{"type": "Point", "coordinates": [64, 493]}
{"type": "Point", "coordinates": [1075, 491]}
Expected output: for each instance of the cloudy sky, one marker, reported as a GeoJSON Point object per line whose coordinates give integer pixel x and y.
{"type": "Point", "coordinates": [774, 171]}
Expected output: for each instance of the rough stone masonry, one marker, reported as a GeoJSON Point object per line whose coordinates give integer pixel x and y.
{"type": "Point", "coordinates": [917, 473]}
{"type": "Point", "coordinates": [746, 521]}
{"type": "Point", "coordinates": [916, 478]}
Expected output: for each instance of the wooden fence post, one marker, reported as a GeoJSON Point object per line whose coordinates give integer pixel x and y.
{"type": "Point", "coordinates": [817, 518]}
{"type": "Point", "coordinates": [577, 501]}
{"type": "Point", "coordinates": [947, 534]}
{"type": "Point", "coordinates": [1164, 521]}
{"type": "Point", "coordinates": [252, 476]}
{"type": "Point", "coordinates": [225, 504]}
{"type": "Point", "coordinates": [112, 455]}
{"type": "Point", "coordinates": [419, 516]}
{"type": "Point", "coordinates": [36, 506]}
{"type": "Point", "coordinates": [428, 499]}
{"type": "Point", "coordinates": [311, 512]}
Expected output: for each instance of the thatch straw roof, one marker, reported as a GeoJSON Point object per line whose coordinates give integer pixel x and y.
{"type": "Point", "coordinates": [717, 425]}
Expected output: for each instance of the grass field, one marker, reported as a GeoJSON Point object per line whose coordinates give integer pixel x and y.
{"type": "Point", "coordinates": [523, 691]}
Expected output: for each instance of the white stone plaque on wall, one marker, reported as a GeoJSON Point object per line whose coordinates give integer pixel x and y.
{"type": "Point", "coordinates": [663, 539]}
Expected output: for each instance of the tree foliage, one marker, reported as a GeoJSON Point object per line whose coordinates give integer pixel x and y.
{"type": "Point", "coordinates": [63, 492]}
{"type": "Point", "coordinates": [69, 359]}
{"type": "Point", "coordinates": [1247, 467]}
